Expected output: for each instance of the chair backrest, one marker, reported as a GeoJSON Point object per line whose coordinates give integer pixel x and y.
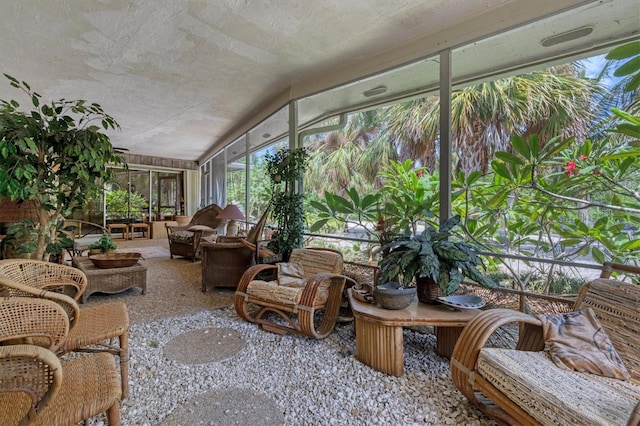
{"type": "Point", "coordinates": [45, 276]}
{"type": "Point", "coordinates": [206, 216]}
{"type": "Point", "coordinates": [254, 233]}
{"type": "Point", "coordinates": [316, 261]}
{"type": "Point", "coordinates": [30, 377]}
{"type": "Point", "coordinates": [33, 318]}
{"type": "Point", "coordinates": [617, 306]}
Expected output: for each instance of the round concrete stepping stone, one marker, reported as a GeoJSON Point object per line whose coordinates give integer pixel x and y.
{"type": "Point", "coordinates": [204, 346]}
{"type": "Point", "coordinates": [227, 407]}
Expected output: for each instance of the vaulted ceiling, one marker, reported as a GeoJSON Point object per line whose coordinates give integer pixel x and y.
{"type": "Point", "coordinates": [185, 77]}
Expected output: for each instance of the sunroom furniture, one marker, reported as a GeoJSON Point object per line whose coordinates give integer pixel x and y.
{"type": "Point", "coordinates": [292, 308]}
{"type": "Point", "coordinates": [139, 227]}
{"type": "Point", "coordinates": [110, 280]}
{"type": "Point", "coordinates": [185, 240]}
{"type": "Point", "coordinates": [92, 328]}
{"type": "Point", "coordinates": [119, 228]}
{"type": "Point", "coordinates": [35, 387]}
{"type": "Point", "coordinates": [522, 385]}
{"type": "Point", "coordinates": [379, 336]}
{"type": "Point", "coordinates": [83, 235]}
{"type": "Point", "coordinates": [225, 260]}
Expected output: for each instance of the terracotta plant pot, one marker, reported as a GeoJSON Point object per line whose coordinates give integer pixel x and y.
{"type": "Point", "coordinates": [428, 291]}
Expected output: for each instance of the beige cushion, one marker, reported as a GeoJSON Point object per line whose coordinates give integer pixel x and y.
{"type": "Point", "coordinates": [555, 396]}
{"type": "Point", "coordinates": [577, 341]}
{"type": "Point", "coordinates": [270, 290]}
{"type": "Point", "coordinates": [291, 274]}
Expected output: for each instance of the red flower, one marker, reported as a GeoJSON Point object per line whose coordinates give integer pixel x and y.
{"type": "Point", "coordinates": [582, 157]}
{"type": "Point", "coordinates": [570, 169]}
{"type": "Point", "coordinates": [597, 172]}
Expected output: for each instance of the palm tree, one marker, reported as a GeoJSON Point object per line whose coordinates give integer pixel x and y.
{"type": "Point", "coordinates": [484, 116]}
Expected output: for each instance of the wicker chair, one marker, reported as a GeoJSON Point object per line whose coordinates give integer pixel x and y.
{"type": "Point", "coordinates": [185, 240]}
{"type": "Point", "coordinates": [35, 387]}
{"type": "Point", "coordinates": [224, 261]}
{"type": "Point", "coordinates": [91, 327]}
{"type": "Point", "coordinates": [83, 235]}
{"type": "Point", "coordinates": [538, 392]}
{"type": "Point", "coordinates": [321, 293]}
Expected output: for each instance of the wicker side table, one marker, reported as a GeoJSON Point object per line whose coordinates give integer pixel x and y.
{"type": "Point", "coordinates": [112, 280]}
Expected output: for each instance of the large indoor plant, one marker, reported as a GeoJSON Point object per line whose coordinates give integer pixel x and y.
{"type": "Point", "coordinates": [56, 154]}
{"type": "Point", "coordinates": [431, 256]}
{"type": "Point", "coordinates": [285, 169]}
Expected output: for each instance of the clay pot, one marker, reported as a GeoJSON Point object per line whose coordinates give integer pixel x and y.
{"type": "Point", "coordinates": [392, 296]}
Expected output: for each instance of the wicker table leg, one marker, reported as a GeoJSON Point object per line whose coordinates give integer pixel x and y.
{"type": "Point", "coordinates": [446, 338]}
{"type": "Point", "coordinates": [379, 346]}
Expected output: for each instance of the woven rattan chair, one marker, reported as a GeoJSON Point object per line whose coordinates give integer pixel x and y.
{"type": "Point", "coordinates": [295, 308]}
{"type": "Point", "coordinates": [538, 392]}
{"type": "Point", "coordinates": [185, 240]}
{"type": "Point", "coordinates": [35, 387]}
{"type": "Point", "coordinates": [92, 327]}
{"type": "Point", "coordinates": [224, 261]}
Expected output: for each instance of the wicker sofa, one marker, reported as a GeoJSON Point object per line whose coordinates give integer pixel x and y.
{"type": "Point", "coordinates": [523, 386]}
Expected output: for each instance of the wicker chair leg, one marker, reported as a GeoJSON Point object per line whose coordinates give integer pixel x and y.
{"type": "Point", "coordinates": [113, 415]}
{"type": "Point", "coordinates": [124, 363]}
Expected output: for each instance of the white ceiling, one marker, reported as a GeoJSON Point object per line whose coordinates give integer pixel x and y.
{"type": "Point", "coordinates": [186, 77]}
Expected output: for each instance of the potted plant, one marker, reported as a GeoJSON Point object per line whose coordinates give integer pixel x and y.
{"type": "Point", "coordinates": [432, 262]}
{"type": "Point", "coordinates": [56, 154]}
{"type": "Point", "coordinates": [285, 168]}
{"type": "Point", "coordinates": [104, 245]}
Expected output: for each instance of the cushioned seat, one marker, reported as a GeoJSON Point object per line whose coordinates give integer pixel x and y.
{"type": "Point", "coordinates": [539, 387]}
{"type": "Point", "coordinates": [288, 303]}
{"type": "Point", "coordinates": [185, 240]}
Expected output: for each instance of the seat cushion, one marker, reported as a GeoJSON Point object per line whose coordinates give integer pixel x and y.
{"type": "Point", "coordinates": [285, 295]}
{"type": "Point", "coordinates": [182, 237]}
{"type": "Point", "coordinates": [554, 396]}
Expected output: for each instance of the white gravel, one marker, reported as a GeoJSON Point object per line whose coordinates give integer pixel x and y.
{"type": "Point", "coordinates": [313, 382]}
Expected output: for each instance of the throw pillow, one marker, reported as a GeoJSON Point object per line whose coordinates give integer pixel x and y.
{"type": "Point", "coordinates": [577, 341]}
{"type": "Point", "coordinates": [291, 274]}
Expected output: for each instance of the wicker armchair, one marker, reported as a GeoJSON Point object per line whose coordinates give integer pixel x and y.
{"type": "Point", "coordinates": [224, 261]}
{"type": "Point", "coordinates": [91, 327]}
{"type": "Point", "coordinates": [185, 240]}
{"type": "Point", "coordinates": [35, 387]}
{"type": "Point", "coordinates": [322, 292]}
{"type": "Point", "coordinates": [537, 392]}
{"type": "Point", "coordinates": [83, 235]}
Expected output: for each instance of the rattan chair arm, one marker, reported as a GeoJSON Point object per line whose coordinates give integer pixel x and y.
{"type": "Point", "coordinates": [476, 334]}
{"type": "Point", "coordinates": [15, 289]}
{"type": "Point", "coordinates": [45, 275]}
{"type": "Point", "coordinates": [251, 273]}
{"type": "Point", "coordinates": [609, 267]}
{"type": "Point", "coordinates": [31, 369]}
{"type": "Point", "coordinates": [46, 319]}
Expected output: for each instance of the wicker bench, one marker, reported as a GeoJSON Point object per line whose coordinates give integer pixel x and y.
{"type": "Point", "coordinates": [527, 388]}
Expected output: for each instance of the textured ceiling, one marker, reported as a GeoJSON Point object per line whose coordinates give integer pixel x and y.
{"type": "Point", "coordinates": [180, 76]}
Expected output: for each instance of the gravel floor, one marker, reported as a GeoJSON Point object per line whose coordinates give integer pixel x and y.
{"type": "Point", "coordinates": [271, 379]}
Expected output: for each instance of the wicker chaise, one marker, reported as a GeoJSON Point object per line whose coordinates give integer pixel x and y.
{"type": "Point", "coordinates": [321, 293]}
{"type": "Point", "coordinates": [91, 327]}
{"type": "Point", "coordinates": [523, 386]}
{"type": "Point", "coordinates": [35, 387]}
{"type": "Point", "coordinates": [185, 240]}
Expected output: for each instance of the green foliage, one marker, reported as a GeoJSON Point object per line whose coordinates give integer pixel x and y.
{"type": "Point", "coordinates": [285, 168]}
{"type": "Point", "coordinates": [432, 254]}
{"type": "Point", "coordinates": [407, 198]}
{"type": "Point", "coordinates": [121, 202]}
{"type": "Point", "coordinates": [105, 243]}
{"type": "Point", "coordinates": [54, 153]}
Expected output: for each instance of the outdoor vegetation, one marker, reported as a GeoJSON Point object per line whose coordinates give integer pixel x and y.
{"type": "Point", "coordinates": [546, 165]}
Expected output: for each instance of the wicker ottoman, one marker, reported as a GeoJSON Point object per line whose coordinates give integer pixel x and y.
{"type": "Point", "coordinates": [112, 280]}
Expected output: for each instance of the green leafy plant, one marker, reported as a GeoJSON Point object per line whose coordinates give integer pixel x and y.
{"type": "Point", "coordinates": [104, 244]}
{"type": "Point", "coordinates": [285, 167]}
{"type": "Point", "coordinates": [55, 154]}
{"type": "Point", "coordinates": [432, 254]}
